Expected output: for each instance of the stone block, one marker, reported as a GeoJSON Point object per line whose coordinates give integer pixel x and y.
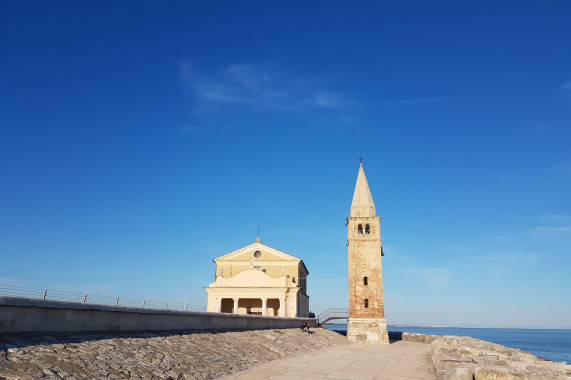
{"type": "Point", "coordinates": [367, 330]}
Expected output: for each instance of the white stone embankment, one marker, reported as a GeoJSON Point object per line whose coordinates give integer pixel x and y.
{"type": "Point", "coordinates": [465, 358]}
{"type": "Point", "coordinates": [159, 355]}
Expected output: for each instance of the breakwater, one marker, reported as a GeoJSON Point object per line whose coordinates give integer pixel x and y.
{"type": "Point", "coordinates": [466, 358]}
{"type": "Point", "coordinates": [152, 355]}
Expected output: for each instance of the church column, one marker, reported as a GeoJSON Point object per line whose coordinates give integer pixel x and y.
{"type": "Point", "coordinates": [219, 305]}
{"type": "Point", "coordinates": [264, 306]}
{"type": "Point", "coordinates": [282, 307]}
{"type": "Point", "coordinates": [235, 311]}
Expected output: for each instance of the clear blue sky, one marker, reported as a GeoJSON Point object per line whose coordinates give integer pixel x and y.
{"type": "Point", "coordinates": [139, 140]}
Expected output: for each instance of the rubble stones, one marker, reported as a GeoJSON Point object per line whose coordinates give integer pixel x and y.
{"type": "Point", "coordinates": [159, 355]}
{"type": "Point", "coordinates": [465, 358]}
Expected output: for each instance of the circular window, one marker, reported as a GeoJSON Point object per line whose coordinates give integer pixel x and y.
{"type": "Point", "coordinates": [257, 254]}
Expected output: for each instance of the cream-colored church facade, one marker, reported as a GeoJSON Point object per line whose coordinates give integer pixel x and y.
{"type": "Point", "coordinates": [260, 280]}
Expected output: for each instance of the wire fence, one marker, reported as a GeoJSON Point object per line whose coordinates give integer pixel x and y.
{"type": "Point", "coordinates": [94, 299]}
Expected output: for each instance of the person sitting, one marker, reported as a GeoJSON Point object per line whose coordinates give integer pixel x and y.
{"type": "Point", "coordinates": [304, 327]}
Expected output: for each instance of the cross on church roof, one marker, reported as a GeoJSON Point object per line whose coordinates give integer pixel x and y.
{"type": "Point", "coordinates": [259, 231]}
{"type": "Point", "coordinates": [361, 159]}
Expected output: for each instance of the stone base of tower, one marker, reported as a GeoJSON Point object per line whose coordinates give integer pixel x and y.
{"type": "Point", "coordinates": [367, 330]}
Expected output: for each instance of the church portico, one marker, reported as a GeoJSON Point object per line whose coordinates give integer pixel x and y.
{"type": "Point", "coordinates": [259, 280]}
{"type": "Point", "coordinates": [266, 306]}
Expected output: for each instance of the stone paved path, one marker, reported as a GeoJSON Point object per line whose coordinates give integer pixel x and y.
{"type": "Point", "coordinates": [395, 361]}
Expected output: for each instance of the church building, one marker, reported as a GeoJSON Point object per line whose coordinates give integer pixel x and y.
{"type": "Point", "coordinates": [260, 280]}
{"type": "Point", "coordinates": [366, 321]}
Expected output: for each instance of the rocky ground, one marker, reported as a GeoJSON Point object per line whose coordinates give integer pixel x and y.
{"type": "Point", "coordinates": [160, 355]}
{"type": "Point", "coordinates": [465, 358]}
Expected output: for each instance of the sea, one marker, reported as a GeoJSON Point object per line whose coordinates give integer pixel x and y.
{"type": "Point", "coordinates": [554, 345]}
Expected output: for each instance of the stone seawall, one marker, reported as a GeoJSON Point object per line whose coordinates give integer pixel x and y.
{"type": "Point", "coordinates": [212, 354]}
{"type": "Point", "coordinates": [466, 358]}
{"type": "Point", "coordinates": [23, 315]}
{"type": "Point", "coordinates": [152, 355]}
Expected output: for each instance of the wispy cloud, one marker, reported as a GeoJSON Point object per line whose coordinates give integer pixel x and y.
{"type": "Point", "coordinates": [566, 87]}
{"type": "Point", "coordinates": [553, 224]}
{"type": "Point", "coordinates": [507, 257]}
{"type": "Point", "coordinates": [500, 237]}
{"type": "Point", "coordinates": [554, 217]}
{"type": "Point", "coordinates": [259, 85]}
{"type": "Point", "coordinates": [326, 100]}
{"type": "Point", "coordinates": [438, 277]}
{"type": "Point", "coordinates": [563, 168]}
{"type": "Point", "coordinates": [420, 100]}
{"type": "Point", "coordinates": [501, 262]}
{"type": "Point", "coordinates": [9, 281]}
{"type": "Point", "coordinates": [564, 229]}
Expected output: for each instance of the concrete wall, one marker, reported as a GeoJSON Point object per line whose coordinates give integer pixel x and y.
{"type": "Point", "coordinates": [19, 315]}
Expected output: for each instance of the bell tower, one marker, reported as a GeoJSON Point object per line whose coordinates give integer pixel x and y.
{"type": "Point", "coordinates": [367, 321]}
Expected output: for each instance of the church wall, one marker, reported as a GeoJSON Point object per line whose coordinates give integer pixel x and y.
{"type": "Point", "coordinates": [271, 269]}
{"type": "Point", "coordinates": [303, 305]}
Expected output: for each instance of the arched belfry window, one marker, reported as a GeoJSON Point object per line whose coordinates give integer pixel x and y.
{"type": "Point", "coordinates": [360, 229]}
{"type": "Point", "coordinates": [367, 229]}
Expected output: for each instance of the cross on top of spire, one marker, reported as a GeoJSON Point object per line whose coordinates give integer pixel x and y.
{"type": "Point", "coordinates": [258, 229]}
{"type": "Point", "coordinates": [361, 159]}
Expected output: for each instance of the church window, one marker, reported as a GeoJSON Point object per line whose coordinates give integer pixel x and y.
{"type": "Point", "coordinates": [257, 254]}
{"type": "Point", "coordinates": [360, 229]}
{"type": "Point", "coordinates": [365, 281]}
{"type": "Point", "coordinates": [367, 229]}
{"type": "Point", "coordinates": [366, 303]}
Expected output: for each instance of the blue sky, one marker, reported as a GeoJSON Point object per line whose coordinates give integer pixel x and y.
{"type": "Point", "coordinates": [139, 140]}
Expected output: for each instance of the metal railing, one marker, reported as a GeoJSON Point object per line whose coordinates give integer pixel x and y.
{"type": "Point", "coordinates": [94, 299]}
{"type": "Point", "coordinates": [332, 313]}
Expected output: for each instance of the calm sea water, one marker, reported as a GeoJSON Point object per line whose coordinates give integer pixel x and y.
{"type": "Point", "coordinates": [549, 344]}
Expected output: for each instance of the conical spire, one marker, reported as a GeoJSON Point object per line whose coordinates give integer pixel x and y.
{"type": "Point", "coordinates": [362, 201]}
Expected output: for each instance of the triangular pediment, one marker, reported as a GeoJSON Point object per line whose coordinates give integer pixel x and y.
{"type": "Point", "coordinates": [247, 253]}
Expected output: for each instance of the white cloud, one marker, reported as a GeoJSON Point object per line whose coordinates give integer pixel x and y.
{"type": "Point", "coordinates": [502, 262]}
{"type": "Point", "coordinates": [419, 100]}
{"type": "Point", "coordinates": [500, 237]}
{"type": "Point", "coordinates": [558, 223]}
{"type": "Point", "coordinates": [563, 168]}
{"type": "Point", "coordinates": [438, 277]}
{"type": "Point", "coordinates": [9, 281]}
{"type": "Point", "coordinates": [555, 217]}
{"type": "Point", "coordinates": [507, 257]}
{"type": "Point", "coordinates": [258, 85]}
{"type": "Point", "coordinates": [563, 229]}
{"type": "Point", "coordinates": [326, 100]}
{"type": "Point", "coordinates": [566, 87]}
{"type": "Point", "coordinates": [247, 76]}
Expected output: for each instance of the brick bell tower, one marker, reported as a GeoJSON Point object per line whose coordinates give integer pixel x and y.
{"type": "Point", "coordinates": [367, 321]}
